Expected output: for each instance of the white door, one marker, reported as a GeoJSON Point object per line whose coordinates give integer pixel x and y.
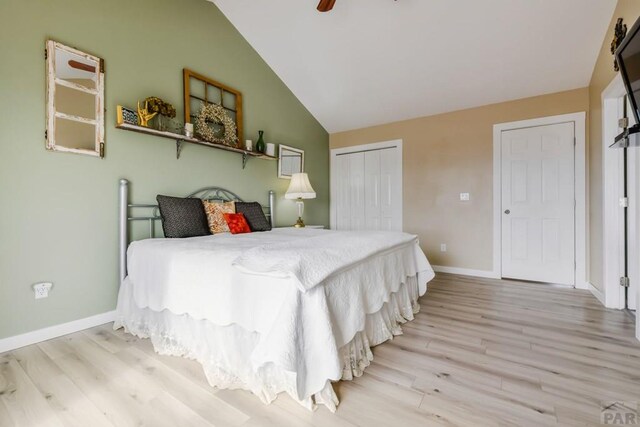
{"type": "Point", "coordinates": [356, 191]}
{"type": "Point", "coordinates": [351, 198]}
{"type": "Point", "coordinates": [616, 250]}
{"type": "Point", "coordinates": [381, 190]}
{"type": "Point", "coordinates": [538, 204]}
{"type": "Point", "coordinates": [367, 188]}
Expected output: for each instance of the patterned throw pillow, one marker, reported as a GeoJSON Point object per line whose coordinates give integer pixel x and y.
{"type": "Point", "coordinates": [237, 223]}
{"type": "Point", "coordinates": [215, 218]}
{"type": "Point", "coordinates": [182, 217]}
{"type": "Point", "coordinates": [254, 215]}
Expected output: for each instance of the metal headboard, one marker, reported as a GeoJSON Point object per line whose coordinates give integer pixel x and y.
{"type": "Point", "coordinates": [153, 214]}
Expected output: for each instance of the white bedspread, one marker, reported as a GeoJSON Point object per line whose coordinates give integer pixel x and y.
{"type": "Point", "coordinates": [312, 260]}
{"type": "Point", "coordinates": [299, 332]}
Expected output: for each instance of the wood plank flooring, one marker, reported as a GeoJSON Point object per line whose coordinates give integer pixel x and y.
{"type": "Point", "coordinates": [480, 353]}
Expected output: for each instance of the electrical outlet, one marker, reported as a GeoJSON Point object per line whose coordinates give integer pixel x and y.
{"type": "Point", "coordinates": [42, 289]}
{"type": "Point", "coordinates": [464, 197]}
{"type": "Point", "coordinates": [443, 247]}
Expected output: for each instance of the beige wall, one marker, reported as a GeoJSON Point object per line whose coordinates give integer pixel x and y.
{"type": "Point", "coordinates": [603, 74]}
{"type": "Point", "coordinates": [451, 153]}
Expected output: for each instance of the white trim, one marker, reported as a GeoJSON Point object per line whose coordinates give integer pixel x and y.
{"type": "Point", "coordinates": [612, 215]}
{"type": "Point", "coordinates": [17, 341]}
{"type": "Point", "coordinates": [464, 271]}
{"type": "Point", "coordinates": [581, 246]}
{"type": "Point", "coordinates": [396, 143]}
{"type": "Point", "coordinates": [596, 292]}
{"type": "Point", "coordinates": [368, 147]}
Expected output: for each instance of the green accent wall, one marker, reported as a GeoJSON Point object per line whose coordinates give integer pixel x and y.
{"type": "Point", "coordinates": [58, 212]}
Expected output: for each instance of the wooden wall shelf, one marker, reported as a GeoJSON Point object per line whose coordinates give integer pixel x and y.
{"type": "Point", "coordinates": [181, 139]}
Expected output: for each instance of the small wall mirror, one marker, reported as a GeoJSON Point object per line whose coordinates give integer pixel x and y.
{"type": "Point", "coordinates": [290, 161]}
{"type": "Point", "coordinates": [75, 101]}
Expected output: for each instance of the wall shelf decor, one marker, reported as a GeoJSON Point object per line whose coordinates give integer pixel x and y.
{"type": "Point", "coordinates": [200, 90]}
{"type": "Point", "coordinates": [125, 120]}
{"type": "Point", "coordinates": [75, 101]}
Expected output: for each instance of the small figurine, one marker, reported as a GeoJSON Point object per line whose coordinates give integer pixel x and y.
{"type": "Point", "coordinates": [619, 34]}
{"type": "Point", "coordinates": [144, 115]}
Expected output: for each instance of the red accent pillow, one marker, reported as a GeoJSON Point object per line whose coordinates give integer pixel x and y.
{"type": "Point", "coordinates": [237, 223]}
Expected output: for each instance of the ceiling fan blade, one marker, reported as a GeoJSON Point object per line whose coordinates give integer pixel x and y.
{"type": "Point", "coordinates": [326, 5]}
{"type": "Point", "coordinates": [81, 66]}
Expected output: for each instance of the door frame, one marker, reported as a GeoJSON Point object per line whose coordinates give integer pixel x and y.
{"type": "Point", "coordinates": [580, 190]}
{"type": "Point", "coordinates": [612, 294]}
{"type": "Point", "coordinates": [396, 143]}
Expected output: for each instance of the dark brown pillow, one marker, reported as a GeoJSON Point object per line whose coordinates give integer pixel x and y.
{"type": "Point", "coordinates": [254, 215]}
{"type": "Point", "coordinates": [182, 217]}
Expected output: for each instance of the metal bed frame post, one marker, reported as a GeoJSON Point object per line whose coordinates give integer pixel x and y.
{"type": "Point", "coordinates": [208, 193]}
{"type": "Point", "coordinates": [123, 237]}
{"type": "Point", "coordinates": [272, 214]}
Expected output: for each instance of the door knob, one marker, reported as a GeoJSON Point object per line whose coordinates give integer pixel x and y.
{"type": "Point", "coordinates": [507, 211]}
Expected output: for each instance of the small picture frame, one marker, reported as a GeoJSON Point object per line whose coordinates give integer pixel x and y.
{"type": "Point", "coordinates": [290, 161]}
{"type": "Point", "coordinates": [126, 115]}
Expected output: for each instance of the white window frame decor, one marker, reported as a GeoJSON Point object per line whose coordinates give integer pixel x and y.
{"type": "Point", "coordinates": [53, 113]}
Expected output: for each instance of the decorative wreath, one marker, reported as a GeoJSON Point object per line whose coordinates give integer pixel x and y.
{"type": "Point", "coordinates": [214, 113]}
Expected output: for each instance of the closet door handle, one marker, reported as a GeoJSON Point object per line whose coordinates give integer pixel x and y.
{"type": "Point", "coordinates": [507, 211]}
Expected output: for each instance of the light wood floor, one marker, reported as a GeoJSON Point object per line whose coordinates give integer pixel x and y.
{"type": "Point", "coordinates": [481, 352]}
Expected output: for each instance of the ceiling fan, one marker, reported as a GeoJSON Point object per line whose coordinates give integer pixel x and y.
{"type": "Point", "coordinates": [326, 5]}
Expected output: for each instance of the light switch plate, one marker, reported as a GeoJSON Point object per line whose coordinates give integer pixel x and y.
{"type": "Point", "coordinates": [464, 197]}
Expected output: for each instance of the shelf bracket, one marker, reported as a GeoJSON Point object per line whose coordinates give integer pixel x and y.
{"type": "Point", "coordinates": [245, 157]}
{"type": "Point", "coordinates": [178, 148]}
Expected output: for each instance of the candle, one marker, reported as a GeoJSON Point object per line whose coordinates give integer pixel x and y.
{"type": "Point", "coordinates": [271, 149]}
{"type": "Point", "coordinates": [248, 145]}
{"type": "Point", "coordinates": [188, 130]}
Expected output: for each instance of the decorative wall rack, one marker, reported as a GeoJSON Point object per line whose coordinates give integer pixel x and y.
{"type": "Point", "coordinates": [181, 139]}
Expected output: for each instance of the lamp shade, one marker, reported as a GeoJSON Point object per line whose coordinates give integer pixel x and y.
{"type": "Point", "coordinates": [300, 188]}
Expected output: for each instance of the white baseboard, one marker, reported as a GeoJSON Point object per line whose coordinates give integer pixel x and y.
{"type": "Point", "coordinates": [464, 271]}
{"type": "Point", "coordinates": [17, 341]}
{"type": "Point", "coordinates": [597, 293]}
{"type": "Point", "coordinates": [584, 285]}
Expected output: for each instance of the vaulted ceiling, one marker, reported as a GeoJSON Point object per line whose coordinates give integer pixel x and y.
{"type": "Point", "coordinates": [370, 62]}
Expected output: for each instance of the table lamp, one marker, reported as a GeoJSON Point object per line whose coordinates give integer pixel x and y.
{"type": "Point", "coordinates": [300, 189]}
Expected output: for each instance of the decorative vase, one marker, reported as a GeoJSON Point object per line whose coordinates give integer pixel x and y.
{"type": "Point", "coordinates": [260, 145]}
{"type": "Point", "coordinates": [161, 123]}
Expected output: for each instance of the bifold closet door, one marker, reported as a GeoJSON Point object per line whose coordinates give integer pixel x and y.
{"type": "Point", "coordinates": [381, 190]}
{"type": "Point", "coordinates": [350, 206]}
{"type": "Point", "coordinates": [368, 190]}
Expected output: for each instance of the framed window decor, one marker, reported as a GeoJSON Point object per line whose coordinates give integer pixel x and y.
{"type": "Point", "coordinates": [290, 161]}
{"type": "Point", "coordinates": [75, 101]}
{"type": "Point", "coordinates": [200, 90]}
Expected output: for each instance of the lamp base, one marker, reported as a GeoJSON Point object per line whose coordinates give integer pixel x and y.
{"type": "Point", "coordinates": [299, 223]}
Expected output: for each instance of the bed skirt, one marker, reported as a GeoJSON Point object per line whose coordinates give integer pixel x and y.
{"type": "Point", "coordinates": [225, 351]}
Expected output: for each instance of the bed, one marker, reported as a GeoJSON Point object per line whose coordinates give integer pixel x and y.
{"type": "Point", "coordinates": [288, 310]}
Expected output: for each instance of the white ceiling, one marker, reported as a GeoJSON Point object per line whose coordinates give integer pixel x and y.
{"type": "Point", "coordinates": [370, 62]}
